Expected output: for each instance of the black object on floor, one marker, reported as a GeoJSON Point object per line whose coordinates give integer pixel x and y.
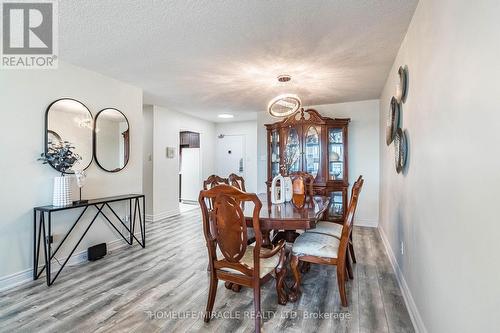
{"type": "Point", "coordinates": [96, 252]}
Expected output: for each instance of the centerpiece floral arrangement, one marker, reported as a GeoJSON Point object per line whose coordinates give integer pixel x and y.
{"type": "Point", "coordinates": [61, 156]}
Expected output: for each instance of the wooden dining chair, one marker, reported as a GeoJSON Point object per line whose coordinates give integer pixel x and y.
{"type": "Point", "coordinates": [325, 249]}
{"type": "Point", "coordinates": [231, 258]}
{"type": "Point", "coordinates": [237, 181]}
{"type": "Point", "coordinates": [335, 229]}
{"type": "Point", "coordinates": [214, 180]}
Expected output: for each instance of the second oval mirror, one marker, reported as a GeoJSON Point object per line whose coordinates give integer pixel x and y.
{"type": "Point", "coordinates": [111, 140]}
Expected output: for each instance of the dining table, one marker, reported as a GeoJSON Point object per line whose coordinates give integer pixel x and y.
{"type": "Point", "coordinates": [285, 219]}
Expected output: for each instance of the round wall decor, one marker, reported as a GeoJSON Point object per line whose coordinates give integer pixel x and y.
{"type": "Point", "coordinates": [403, 83]}
{"type": "Point", "coordinates": [400, 150]}
{"type": "Point", "coordinates": [392, 121]}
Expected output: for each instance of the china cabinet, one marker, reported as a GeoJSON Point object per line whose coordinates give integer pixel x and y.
{"type": "Point", "coordinates": [308, 142]}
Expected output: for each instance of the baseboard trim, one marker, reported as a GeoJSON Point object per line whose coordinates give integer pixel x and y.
{"type": "Point", "coordinates": [416, 319]}
{"type": "Point", "coordinates": [162, 216]}
{"type": "Point", "coordinates": [371, 223]}
{"type": "Point", "coordinates": [19, 278]}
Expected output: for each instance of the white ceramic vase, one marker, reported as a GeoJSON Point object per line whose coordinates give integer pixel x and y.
{"type": "Point", "coordinates": [62, 191]}
{"type": "Point", "coordinates": [288, 188]}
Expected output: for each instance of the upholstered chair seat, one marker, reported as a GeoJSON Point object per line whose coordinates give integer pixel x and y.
{"type": "Point", "coordinates": [327, 228]}
{"type": "Point", "coordinates": [323, 245]}
{"type": "Point", "coordinates": [315, 244]}
{"type": "Point", "coordinates": [267, 265]}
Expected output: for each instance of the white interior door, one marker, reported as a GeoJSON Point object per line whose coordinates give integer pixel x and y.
{"type": "Point", "coordinates": [190, 174]}
{"type": "Point", "coordinates": [230, 153]}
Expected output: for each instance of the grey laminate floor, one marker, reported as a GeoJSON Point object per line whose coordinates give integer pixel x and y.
{"type": "Point", "coordinates": [142, 290]}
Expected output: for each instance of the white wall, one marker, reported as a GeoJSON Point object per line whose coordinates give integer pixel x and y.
{"type": "Point", "coordinates": [363, 151]}
{"type": "Point", "coordinates": [167, 125]}
{"type": "Point", "coordinates": [147, 166]}
{"type": "Point", "coordinates": [445, 207]}
{"type": "Point", "coordinates": [26, 183]}
{"type": "Point", "coordinates": [248, 129]}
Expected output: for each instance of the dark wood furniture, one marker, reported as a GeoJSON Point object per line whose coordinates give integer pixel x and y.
{"type": "Point", "coordinates": [189, 139]}
{"type": "Point", "coordinates": [287, 217]}
{"type": "Point", "coordinates": [321, 248]}
{"type": "Point", "coordinates": [214, 180]}
{"type": "Point", "coordinates": [237, 181]}
{"type": "Point", "coordinates": [321, 145]}
{"type": "Point", "coordinates": [335, 229]}
{"type": "Point", "coordinates": [42, 234]}
{"type": "Point", "coordinates": [225, 229]}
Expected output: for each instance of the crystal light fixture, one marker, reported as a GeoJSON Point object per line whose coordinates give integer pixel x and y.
{"type": "Point", "coordinates": [286, 104]}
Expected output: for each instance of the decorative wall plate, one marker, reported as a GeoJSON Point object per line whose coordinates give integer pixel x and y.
{"type": "Point", "coordinates": [403, 83]}
{"type": "Point", "coordinates": [392, 121]}
{"type": "Point", "coordinates": [400, 150]}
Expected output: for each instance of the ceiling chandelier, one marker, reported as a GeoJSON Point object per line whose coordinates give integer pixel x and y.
{"type": "Point", "coordinates": [286, 104]}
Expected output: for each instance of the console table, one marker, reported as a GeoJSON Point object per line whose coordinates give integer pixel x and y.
{"type": "Point", "coordinates": [42, 225]}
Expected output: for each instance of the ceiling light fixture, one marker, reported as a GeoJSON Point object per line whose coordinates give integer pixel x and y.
{"type": "Point", "coordinates": [225, 116]}
{"type": "Point", "coordinates": [285, 104]}
{"type": "Point", "coordinates": [284, 78]}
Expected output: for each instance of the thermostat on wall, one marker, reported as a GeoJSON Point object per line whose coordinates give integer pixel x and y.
{"type": "Point", "coordinates": [170, 152]}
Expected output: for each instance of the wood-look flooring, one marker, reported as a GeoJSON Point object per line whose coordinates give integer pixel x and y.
{"type": "Point", "coordinates": [141, 290]}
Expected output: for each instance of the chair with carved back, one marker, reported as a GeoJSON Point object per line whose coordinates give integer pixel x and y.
{"type": "Point", "coordinates": [211, 182]}
{"type": "Point", "coordinates": [335, 229]}
{"type": "Point", "coordinates": [325, 249]}
{"type": "Point", "coordinates": [231, 258]}
{"type": "Point", "coordinates": [237, 181]}
{"type": "Point", "coordinates": [214, 180]}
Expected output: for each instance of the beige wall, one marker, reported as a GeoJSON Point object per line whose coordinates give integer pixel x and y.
{"type": "Point", "coordinates": [26, 183]}
{"type": "Point", "coordinates": [444, 209]}
{"type": "Point", "coordinates": [147, 167]}
{"type": "Point", "coordinates": [363, 151]}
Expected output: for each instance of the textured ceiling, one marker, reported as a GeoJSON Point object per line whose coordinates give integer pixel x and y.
{"type": "Point", "coordinates": [212, 56]}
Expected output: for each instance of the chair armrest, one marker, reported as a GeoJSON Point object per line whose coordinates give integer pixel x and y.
{"type": "Point", "coordinates": [276, 249]}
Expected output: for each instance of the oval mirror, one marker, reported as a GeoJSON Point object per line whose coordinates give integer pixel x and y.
{"type": "Point", "coordinates": [68, 120]}
{"type": "Point", "coordinates": [111, 140]}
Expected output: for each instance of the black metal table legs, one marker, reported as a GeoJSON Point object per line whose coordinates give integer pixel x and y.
{"type": "Point", "coordinates": [42, 233]}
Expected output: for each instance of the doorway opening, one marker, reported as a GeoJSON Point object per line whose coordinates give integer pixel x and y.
{"type": "Point", "coordinates": [189, 170]}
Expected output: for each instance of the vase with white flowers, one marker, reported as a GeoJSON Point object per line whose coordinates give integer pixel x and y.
{"type": "Point", "coordinates": [61, 156]}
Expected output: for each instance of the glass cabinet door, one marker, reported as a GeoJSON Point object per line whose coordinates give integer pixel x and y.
{"type": "Point", "coordinates": [336, 208]}
{"type": "Point", "coordinates": [312, 151]}
{"type": "Point", "coordinates": [292, 153]}
{"type": "Point", "coordinates": [335, 154]}
{"type": "Point", "coordinates": [275, 153]}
